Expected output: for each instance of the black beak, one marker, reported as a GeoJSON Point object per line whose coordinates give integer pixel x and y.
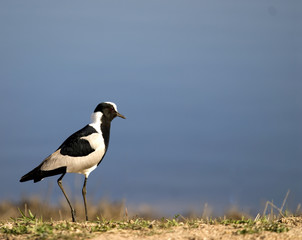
{"type": "Point", "coordinates": [120, 115]}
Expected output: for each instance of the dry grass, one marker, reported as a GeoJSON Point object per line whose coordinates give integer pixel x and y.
{"type": "Point", "coordinates": [118, 211]}
{"type": "Point", "coordinates": [103, 209]}
{"type": "Point", "coordinates": [27, 226]}
{"type": "Point", "coordinates": [32, 218]}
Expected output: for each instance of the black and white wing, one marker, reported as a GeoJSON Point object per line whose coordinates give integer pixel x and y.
{"type": "Point", "coordinates": [77, 145]}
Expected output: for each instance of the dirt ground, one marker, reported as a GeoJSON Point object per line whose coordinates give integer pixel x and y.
{"type": "Point", "coordinates": [206, 232]}
{"type": "Point", "coordinates": [25, 228]}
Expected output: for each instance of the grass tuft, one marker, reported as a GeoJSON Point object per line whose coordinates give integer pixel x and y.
{"type": "Point", "coordinates": [32, 227]}
{"type": "Point", "coordinates": [24, 224]}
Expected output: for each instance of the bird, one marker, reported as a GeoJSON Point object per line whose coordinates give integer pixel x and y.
{"type": "Point", "coordinates": [80, 153]}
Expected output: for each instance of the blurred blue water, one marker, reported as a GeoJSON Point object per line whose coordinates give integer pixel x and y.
{"type": "Point", "coordinates": [211, 90]}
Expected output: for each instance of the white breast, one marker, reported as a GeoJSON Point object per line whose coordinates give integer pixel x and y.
{"type": "Point", "coordinates": [95, 140]}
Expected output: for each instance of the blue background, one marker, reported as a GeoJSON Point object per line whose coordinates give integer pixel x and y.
{"type": "Point", "coordinates": [212, 92]}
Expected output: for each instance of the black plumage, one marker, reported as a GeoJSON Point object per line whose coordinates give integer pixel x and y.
{"type": "Point", "coordinates": [80, 153]}
{"type": "Point", "coordinates": [74, 146]}
{"type": "Point", "coordinates": [37, 174]}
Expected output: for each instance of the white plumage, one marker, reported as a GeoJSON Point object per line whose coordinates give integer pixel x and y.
{"type": "Point", "coordinates": [80, 153]}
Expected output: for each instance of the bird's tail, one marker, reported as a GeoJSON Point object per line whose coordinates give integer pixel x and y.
{"type": "Point", "coordinates": [37, 174]}
{"type": "Point", "coordinates": [34, 174]}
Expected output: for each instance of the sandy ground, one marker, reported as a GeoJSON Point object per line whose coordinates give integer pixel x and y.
{"type": "Point", "coordinates": [206, 232]}
{"type": "Point", "coordinates": [186, 231]}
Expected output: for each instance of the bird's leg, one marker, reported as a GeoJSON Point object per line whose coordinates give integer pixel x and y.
{"type": "Point", "coordinates": [71, 208]}
{"type": "Point", "coordinates": [84, 197]}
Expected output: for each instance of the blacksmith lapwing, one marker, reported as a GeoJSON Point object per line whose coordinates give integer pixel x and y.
{"type": "Point", "coordinates": [80, 153]}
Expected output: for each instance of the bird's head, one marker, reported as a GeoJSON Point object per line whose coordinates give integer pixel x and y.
{"type": "Point", "coordinates": [109, 110]}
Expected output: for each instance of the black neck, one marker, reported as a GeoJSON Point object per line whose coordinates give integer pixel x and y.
{"type": "Point", "coordinates": [105, 128]}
